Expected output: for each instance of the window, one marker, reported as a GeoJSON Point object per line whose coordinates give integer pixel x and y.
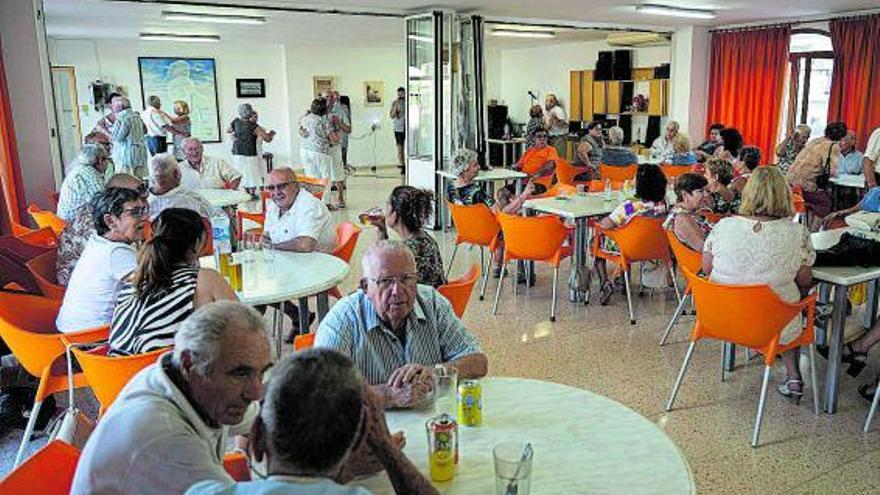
{"type": "Point", "coordinates": [811, 62]}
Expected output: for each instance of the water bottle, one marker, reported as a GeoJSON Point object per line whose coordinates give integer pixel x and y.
{"type": "Point", "coordinates": [607, 189]}
{"type": "Point", "coordinates": [220, 232]}
{"type": "Point", "coordinates": [624, 191]}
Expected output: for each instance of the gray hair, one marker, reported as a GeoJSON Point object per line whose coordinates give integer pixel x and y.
{"type": "Point", "coordinates": [312, 410]}
{"type": "Point", "coordinates": [615, 136]}
{"type": "Point", "coordinates": [371, 255]}
{"type": "Point", "coordinates": [291, 174]}
{"type": "Point", "coordinates": [88, 156]}
{"type": "Point", "coordinates": [163, 165]}
{"type": "Point", "coordinates": [190, 141]}
{"type": "Point", "coordinates": [124, 102]}
{"type": "Point", "coordinates": [245, 110]}
{"type": "Point", "coordinates": [803, 130]}
{"type": "Point", "coordinates": [461, 160]}
{"type": "Point", "coordinates": [154, 101]}
{"type": "Point", "coordinates": [201, 333]}
{"type": "Point", "coordinates": [673, 123]}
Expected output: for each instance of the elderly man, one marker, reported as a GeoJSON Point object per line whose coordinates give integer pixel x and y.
{"type": "Point", "coordinates": [127, 137]}
{"type": "Point", "coordinates": [84, 179]}
{"type": "Point", "coordinates": [850, 157]}
{"type": "Point", "coordinates": [166, 191]}
{"type": "Point", "coordinates": [788, 150]}
{"type": "Point", "coordinates": [198, 171]}
{"type": "Point", "coordinates": [871, 160]}
{"type": "Point", "coordinates": [168, 428]}
{"type": "Point", "coordinates": [316, 409]}
{"type": "Point", "coordinates": [296, 220]}
{"type": "Point", "coordinates": [662, 147]}
{"type": "Point", "coordinates": [555, 123]}
{"type": "Point", "coordinates": [158, 125]}
{"type": "Point", "coordinates": [395, 331]}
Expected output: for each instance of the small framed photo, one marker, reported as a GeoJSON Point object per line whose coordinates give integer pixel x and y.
{"type": "Point", "coordinates": [321, 84]}
{"type": "Point", "coordinates": [374, 93]}
{"type": "Point", "coordinates": [250, 88]}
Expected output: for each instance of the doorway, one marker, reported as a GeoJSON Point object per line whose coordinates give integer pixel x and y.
{"type": "Point", "coordinates": [67, 111]}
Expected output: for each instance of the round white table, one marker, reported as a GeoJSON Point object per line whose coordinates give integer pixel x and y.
{"type": "Point", "coordinates": [583, 443]}
{"type": "Point", "coordinates": [287, 276]}
{"type": "Point", "coordinates": [220, 198]}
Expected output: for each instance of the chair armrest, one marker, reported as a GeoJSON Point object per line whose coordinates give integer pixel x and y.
{"type": "Point", "coordinates": [88, 336]}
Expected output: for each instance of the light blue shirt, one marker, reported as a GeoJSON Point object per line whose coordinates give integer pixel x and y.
{"type": "Point", "coordinates": [434, 335]}
{"type": "Point", "coordinates": [129, 150]}
{"type": "Point", "coordinates": [275, 487]}
{"type": "Point", "coordinates": [851, 163]}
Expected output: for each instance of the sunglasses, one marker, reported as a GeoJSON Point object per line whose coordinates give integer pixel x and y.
{"type": "Point", "coordinates": [272, 187]}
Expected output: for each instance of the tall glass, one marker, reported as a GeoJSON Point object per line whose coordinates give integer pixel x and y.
{"type": "Point", "coordinates": [513, 468]}
{"type": "Point", "coordinates": [445, 389]}
{"type": "Point", "coordinates": [266, 248]}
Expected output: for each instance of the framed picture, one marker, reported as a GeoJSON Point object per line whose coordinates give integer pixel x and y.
{"type": "Point", "coordinates": [193, 80]}
{"type": "Point", "coordinates": [250, 88]}
{"type": "Point", "coordinates": [374, 93]}
{"type": "Point", "coordinates": [322, 84]}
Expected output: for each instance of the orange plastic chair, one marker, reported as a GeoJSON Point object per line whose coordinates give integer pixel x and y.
{"type": "Point", "coordinates": [347, 235]}
{"type": "Point", "coordinates": [673, 171]}
{"type": "Point", "coordinates": [44, 218]}
{"type": "Point", "coordinates": [48, 472]}
{"type": "Point", "coordinates": [42, 268]}
{"type": "Point", "coordinates": [599, 185]}
{"type": "Point", "coordinates": [313, 185]}
{"type": "Point", "coordinates": [618, 174]}
{"type": "Point", "coordinates": [252, 233]}
{"type": "Point", "coordinates": [27, 326]}
{"type": "Point", "coordinates": [476, 225]}
{"type": "Point", "coordinates": [693, 261]}
{"type": "Point", "coordinates": [751, 316]}
{"type": "Point", "coordinates": [538, 238]}
{"type": "Point", "coordinates": [458, 291]}
{"type": "Point", "coordinates": [642, 239]}
{"type": "Point", "coordinates": [303, 341]}
{"type": "Point", "coordinates": [19, 229]}
{"type": "Point", "coordinates": [107, 375]}
{"type": "Point", "coordinates": [566, 172]}
{"type": "Point", "coordinates": [43, 237]}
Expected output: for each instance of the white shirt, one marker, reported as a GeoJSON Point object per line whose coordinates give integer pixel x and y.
{"type": "Point", "coordinates": [872, 150]}
{"type": "Point", "coordinates": [307, 217]}
{"type": "Point", "coordinates": [94, 284]}
{"type": "Point", "coordinates": [214, 174]}
{"type": "Point", "coordinates": [663, 148]}
{"type": "Point", "coordinates": [179, 197]}
{"type": "Point", "coordinates": [152, 440]}
{"type": "Point", "coordinates": [155, 121]}
{"type": "Point", "coordinates": [560, 128]}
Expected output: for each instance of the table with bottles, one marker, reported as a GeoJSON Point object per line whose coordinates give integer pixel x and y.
{"type": "Point", "coordinates": [582, 443]}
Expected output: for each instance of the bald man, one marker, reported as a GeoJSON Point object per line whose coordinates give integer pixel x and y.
{"type": "Point", "coordinates": [295, 219]}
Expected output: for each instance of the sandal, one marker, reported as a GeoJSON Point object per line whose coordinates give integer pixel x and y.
{"type": "Point", "coordinates": [857, 360]}
{"type": "Point", "coordinates": [864, 390]}
{"type": "Point", "coordinates": [606, 292]}
{"type": "Point", "coordinates": [789, 390]}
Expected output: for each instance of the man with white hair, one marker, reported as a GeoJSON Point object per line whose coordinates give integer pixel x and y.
{"type": "Point", "coordinates": [158, 126]}
{"type": "Point", "coordinates": [166, 191]}
{"type": "Point", "coordinates": [127, 137]}
{"type": "Point", "coordinates": [395, 330]}
{"type": "Point", "coordinates": [662, 146]}
{"type": "Point", "coordinates": [84, 179]}
{"type": "Point", "coordinates": [168, 428]}
{"type": "Point", "coordinates": [199, 171]}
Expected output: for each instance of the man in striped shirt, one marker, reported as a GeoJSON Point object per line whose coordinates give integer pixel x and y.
{"type": "Point", "coordinates": [395, 330]}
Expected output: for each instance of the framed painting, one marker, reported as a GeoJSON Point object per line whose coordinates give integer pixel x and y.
{"type": "Point", "coordinates": [193, 80]}
{"type": "Point", "coordinates": [250, 88]}
{"type": "Point", "coordinates": [374, 93]}
{"type": "Point", "coordinates": [323, 83]}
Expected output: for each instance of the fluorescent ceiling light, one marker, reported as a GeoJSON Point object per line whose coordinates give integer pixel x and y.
{"type": "Point", "coordinates": [219, 18]}
{"type": "Point", "coordinates": [203, 38]}
{"type": "Point", "coordinates": [648, 8]}
{"type": "Point", "coordinates": [519, 33]}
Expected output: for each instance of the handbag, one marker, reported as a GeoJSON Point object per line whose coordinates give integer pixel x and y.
{"type": "Point", "coordinates": [74, 427]}
{"type": "Point", "coordinates": [824, 179]}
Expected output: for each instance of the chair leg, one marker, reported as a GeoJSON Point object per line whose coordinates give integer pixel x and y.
{"type": "Point", "coordinates": [28, 431]}
{"type": "Point", "coordinates": [553, 301]}
{"type": "Point", "coordinates": [813, 381]}
{"type": "Point", "coordinates": [723, 353]}
{"type": "Point", "coordinates": [761, 403]}
{"type": "Point", "coordinates": [684, 366]}
{"type": "Point", "coordinates": [675, 317]}
{"type": "Point", "coordinates": [629, 302]}
{"type": "Point", "coordinates": [485, 275]}
{"type": "Point", "coordinates": [452, 260]}
{"type": "Point", "coordinates": [871, 412]}
{"type": "Point", "coordinates": [674, 283]}
{"type": "Point", "coordinates": [498, 289]}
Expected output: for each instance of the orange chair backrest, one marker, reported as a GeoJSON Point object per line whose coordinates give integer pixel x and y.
{"type": "Point", "coordinates": [673, 171]}
{"type": "Point", "coordinates": [258, 218]}
{"type": "Point", "coordinates": [618, 174]}
{"type": "Point", "coordinates": [643, 238]}
{"type": "Point", "coordinates": [599, 185]}
{"type": "Point", "coordinates": [686, 257]}
{"type": "Point", "coordinates": [347, 235]}
{"type": "Point", "coordinates": [27, 326]}
{"type": "Point", "coordinates": [565, 172]}
{"type": "Point", "coordinates": [474, 224]}
{"type": "Point", "coordinates": [108, 375]}
{"type": "Point", "coordinates": [264, 196]}
{"type": "Point", "coordinates": [42, 267]}
{"type": "Point", "coordinates": [798, 201]}
{"type": "Point", "coordinates": [458, 291]}
{"type": "Point", "coordinates": [303, 341]}
{"type": "Point", "coordinates": [44, 237]}
{"type": "Point", "coordinates": [48, 472]}
{"type": "Point", "coordinates": [531, 238]}
{"type": "Point", "coordinates": [20, 230]}
{"type": "Point", "coordinates": [313, 185]}
{"type": "Point", "coordinates": [45, 218]}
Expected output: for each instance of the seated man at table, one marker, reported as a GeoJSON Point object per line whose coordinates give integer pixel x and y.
{"type": "Point", "coordinates": [168, 428]}
{"type": "Point", "coordinates": [315, 411]}
{"type": "Point", "coordinates": [539, 162]}
{"type": "Point", "coordinates": [296, 220]}
{"type": "Point", "coordinates": [199, 171]}
{"type": "Point", "coordinates": [395, 331]}
{"type": "Point", "coordinates": [166, 191]}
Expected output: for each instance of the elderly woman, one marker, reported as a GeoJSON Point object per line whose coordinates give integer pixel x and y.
{"type": "Point", "coordinates": [168, 281]}
{"type": "Point", "coordinates": [181, 128]}
{"type": "Point", "coordinates": [762, 246]}
{"type": "Point", "coordinates": [85, 178]}
{"type": "Point", "coordinates": [536, 123]}
{"type": "Point", "coordinates": [681, 151]}
{"type": "Point", "coordinates": [724, 200]}
{"type": "Point", "coordinates": [589, 149]}
{"type": "Point", "coordinates": [813, 167]}
{"type": "Point", "coordinates": [109, 256]}
{"type": "Point", "coordinates": [314, 147]}
{"type": "Point", "coordinates": [684, 219]}
{"type": "Point", "coordinates": [789, 148]}
{"type": "Point", "coordinates": [749, 159]}
{"type": "Point", "coordinates": [244, 147]}
{"type": "Point", "coordinates": [615, 154]}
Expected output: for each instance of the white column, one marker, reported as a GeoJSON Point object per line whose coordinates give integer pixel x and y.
{"type": "Point", "coordinates": [689, 80]}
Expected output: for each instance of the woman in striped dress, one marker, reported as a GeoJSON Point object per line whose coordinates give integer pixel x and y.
{"type": "Point", "coordinates": [166, 286]}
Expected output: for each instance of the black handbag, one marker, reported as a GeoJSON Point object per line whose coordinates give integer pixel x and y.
{"type": "Point", "coordinates": [851, 250]}
{"type": "Point", "coordinates": [824, 179]}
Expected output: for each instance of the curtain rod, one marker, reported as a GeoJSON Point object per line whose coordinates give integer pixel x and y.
{"type": "Point", "coordinates": [797, 21]}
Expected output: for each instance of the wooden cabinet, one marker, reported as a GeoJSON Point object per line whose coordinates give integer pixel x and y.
{"type": "Point", "coordinates": [658, 96]}
{"type": "Point", "coordinates": [575, 95]}
{"type": "Point", "coordinates": [600, 99]}
{"type": "Point", "coordinates": [613, 97]}
{"type": "Point", "coordinates": [587, 95]}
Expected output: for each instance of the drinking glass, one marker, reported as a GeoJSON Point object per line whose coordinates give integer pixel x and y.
{"type": "Point", "coordinates": [513, 468]}
{"type": "Point", "coordinates": [445, 389]}
{"type": "Point", "coordinates": [266, 248]}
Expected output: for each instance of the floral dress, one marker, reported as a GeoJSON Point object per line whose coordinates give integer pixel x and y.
{"type": "Point", "coordinates": [628, 210]}
{"type": "Point", "coordinates": [471, 194]}
{"type": "Point", "coordinates": [429, 264]}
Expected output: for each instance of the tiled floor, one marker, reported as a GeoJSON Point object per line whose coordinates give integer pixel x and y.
{"type": "Point", "coordinates": [596, 348]}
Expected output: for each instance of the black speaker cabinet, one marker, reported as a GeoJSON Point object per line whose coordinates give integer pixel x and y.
{"type": "Point", "coordinates": [622, 68]}
{"type": "Point", "coordinates": [497, 118]}
{"type": "Point", "coordinates": [604, 67]}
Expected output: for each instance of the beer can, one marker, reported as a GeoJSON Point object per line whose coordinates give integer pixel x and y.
{"type": "Point", "coordinates": [470, 403]}
{"type": "Point", "coordinates": [442, 447]}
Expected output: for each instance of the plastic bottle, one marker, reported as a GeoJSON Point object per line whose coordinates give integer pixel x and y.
{"type": "Point", "coordinates": [220, 232]}
{"type": "Point", "coordinates": [607, 189]}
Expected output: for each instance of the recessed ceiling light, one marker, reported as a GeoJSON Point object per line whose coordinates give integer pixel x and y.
{"type": "Point", "coordinates": [203, 38]}
{"type": "Point", "coordinates": [219, 18]}
{"type": "Point", "coordinates": [519, 33]}
{"type": "Point", "coordinates": [648, 8]}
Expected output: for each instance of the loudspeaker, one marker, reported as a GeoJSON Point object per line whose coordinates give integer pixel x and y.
{"type": "Point", "coordinates": [604, 69]}
{"type": "Point", "coordinates": [661, 72]}
{"type": "Point", "coordinates": [622, 68]}
{"type": "Point", "coordinates": [497, 116]}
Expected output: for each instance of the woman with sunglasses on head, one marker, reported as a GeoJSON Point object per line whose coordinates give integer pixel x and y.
{"type": "Point", "coordinates": [108, 257]}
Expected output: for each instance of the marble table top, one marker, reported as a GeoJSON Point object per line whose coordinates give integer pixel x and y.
{"type": "Point", "coordinates": [286, 276]}
{"type": "Point", "coordinates": [841, 275]}
{"type": "Point", "coordinates": [849, 180]}
{"type": "Point", "coordinates": [583, 443]}
{"type": "Point", "coordinates": [218, 198]}
{"type": "Point", "coordinates": [576, 206]}
{"type": "Point", "coordinates": [495, 174]}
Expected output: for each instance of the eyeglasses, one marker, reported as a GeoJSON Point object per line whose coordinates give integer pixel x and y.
{"type": "Point", "coordinates": [387, 282]}
{"type": "Point", "coordinates": [136, 212]}
{"type": "Point", "coordinates": [272, 187]}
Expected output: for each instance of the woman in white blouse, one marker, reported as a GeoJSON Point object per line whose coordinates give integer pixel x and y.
{"type": "Point", "coordinates": [763, 246]}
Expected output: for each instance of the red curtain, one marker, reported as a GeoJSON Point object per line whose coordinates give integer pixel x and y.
{"type": "Point", "coordinates": [10, 173]}
{"type": "Point", "coordinates": [856, 72]}
{"type": "Point", "coordinates": [747, 72]}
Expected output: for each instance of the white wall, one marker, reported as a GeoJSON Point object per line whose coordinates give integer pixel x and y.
{"type": "Point", "coordinates": [116, 62]}
{"type": "Point", "coordinates": [352, 66]}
